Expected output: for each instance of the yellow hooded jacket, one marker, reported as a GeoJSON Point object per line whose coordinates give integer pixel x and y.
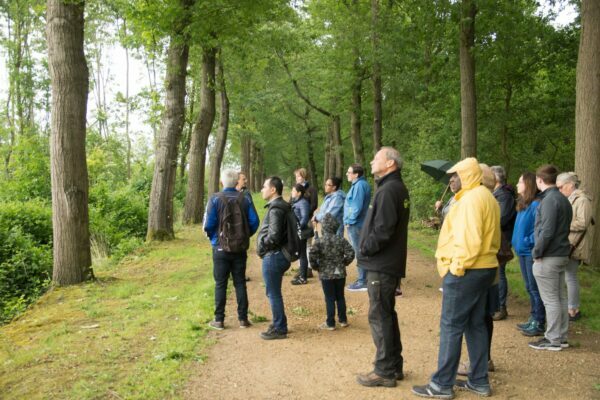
{"type": "Point", "coordinates": [470, 235]}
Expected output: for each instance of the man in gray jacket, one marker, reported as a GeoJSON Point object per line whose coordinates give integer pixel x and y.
{"type": "Point", "coordinates": [550, 258]}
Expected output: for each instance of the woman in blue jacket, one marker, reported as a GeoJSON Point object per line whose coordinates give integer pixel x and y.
{"type": "Point", "coordinates": [522, 242]}
{"type": "Point", "coordinates": [301, 207]}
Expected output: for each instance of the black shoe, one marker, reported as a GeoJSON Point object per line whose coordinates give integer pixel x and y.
{"type": "Point", "coordinates": [399, 375]}
{"type": "Point", "coordinates": [465, 385]}
{"type": "Point", "coordinates": [545, 344]}
{"type": "Point", "coordinates": [500, 314]}
{"type": "Point", "coordinates": [299, 281]}
{"type": "Point", "coordinates": [575, 317]}
{"type": "Point", "coordinates": [372, 379]}
{"type": "Point", "coordinates": [272, 334]}
{"type": "Point", "coordinates": [309, 273]}
{"type": "Point", "coordinates": [428, 391]}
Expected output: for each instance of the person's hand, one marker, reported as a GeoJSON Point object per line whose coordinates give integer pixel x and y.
{"type": "Point", "coordinates": [438, 205]}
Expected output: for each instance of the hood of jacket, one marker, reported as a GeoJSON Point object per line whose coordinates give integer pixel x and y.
{"type": "Point", "coordinates": [329, 224]}
{"type": "Point", "coordinates": [470, 175]}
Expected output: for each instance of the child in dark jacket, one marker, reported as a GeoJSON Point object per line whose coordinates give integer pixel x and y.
{"type": "Point", "coordinates": [330, 255]}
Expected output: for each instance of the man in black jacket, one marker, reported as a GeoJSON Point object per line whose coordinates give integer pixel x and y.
{"type": "Point", "coordinates": [383, 255]}
{"type": "Point", "coordinates": [271, 239]}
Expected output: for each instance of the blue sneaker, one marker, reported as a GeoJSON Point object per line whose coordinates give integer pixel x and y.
{"type": "Point", "coordinates": [357, 287]}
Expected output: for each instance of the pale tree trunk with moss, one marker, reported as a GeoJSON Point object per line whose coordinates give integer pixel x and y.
{"type": "Point", "coordinates": [587, 117]}
{"type": "Point", "coordinates": [69, 79]}
{"type": "Point", "coordinates": [468, 99]}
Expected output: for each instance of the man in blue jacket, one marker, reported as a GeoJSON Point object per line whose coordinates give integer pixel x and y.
{"type": "Point", "coordinates": [355, 212]}
{"type": "Point", "coordinates": [229, 222]}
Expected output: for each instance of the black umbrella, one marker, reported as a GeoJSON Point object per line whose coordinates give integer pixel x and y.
{"type": "Point", "coordinates": [437, 169]}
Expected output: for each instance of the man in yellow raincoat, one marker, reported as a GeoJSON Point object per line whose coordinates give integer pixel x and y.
{"type": "Point", "coordinates": [466, 260]}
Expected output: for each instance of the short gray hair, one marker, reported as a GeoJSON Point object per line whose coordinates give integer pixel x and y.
{"type": "Point", "coordinates": [568, 177]}
{"type": "Point", "coordinates": [229, 178]}
{"type": "Point", "coordinates": [500, 174]}
{"type": "Point", "coordinates": [393, 154]}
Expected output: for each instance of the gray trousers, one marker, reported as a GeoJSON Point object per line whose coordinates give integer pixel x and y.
{"type": "Point", "coordinates": [573, 283]}
{"type": "Point", "coordinates": [549, 274]}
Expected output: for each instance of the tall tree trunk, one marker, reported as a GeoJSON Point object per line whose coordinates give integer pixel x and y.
{"type": "Point", "coordinates": [127, 135]}
{"type": "Point", "coordinates": [504, 145]}
{"type": "Point", "coordinates": [377, 97]}
{"type": "Point", "coordinates": [355, 113]}
{"type": "Point", "coordinates": [336, 140]}
{"type": "Point", "coordinates": [69, 79]}
{"type": "Point", "coordinates": [587, 117]}
{"type": "Point", "coordinates": [468, 101]}
{"type": "Point", "coordinates": [216, 157]}
{"type": "Point", "coordinates": [193, 211]}
{"type": "Point", "coordinates": [329, 155]}
{"type": "Point", "coordinates": [245, 150]}
{"type": "Point", "coordinates": [160, 210]}
{"type": "Point", "coordinates": [188, 129]}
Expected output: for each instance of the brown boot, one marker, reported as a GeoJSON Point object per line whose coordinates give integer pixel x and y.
{"type": "Point", "coordinates": [372, 379]}
{"type": "Point", "coordinates": [500, 314]}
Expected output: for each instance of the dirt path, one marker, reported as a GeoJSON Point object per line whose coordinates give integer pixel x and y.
{"type": "Point", "coordinates": [313, 364]}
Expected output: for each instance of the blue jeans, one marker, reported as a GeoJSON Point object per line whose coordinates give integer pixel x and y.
{"type": "Point", "coordinates": [333, 289]}
{"type": "Point", "coordinates": [463, 313]}
{"type": "Point", "coordinates": [354, 235]}
{"type": "Point", "coordinates": [502, 287]}
{"type": "Point", "coordinates": [274, 266]}
{"type": "Point", "coordinates": [225, 263]}
{"type": "Point", "coordinates": [537, 310]}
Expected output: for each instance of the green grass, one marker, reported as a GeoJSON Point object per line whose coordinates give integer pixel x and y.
{"type": "Point", "coordinates": [425, 239]}
{"type": "Point", "coordinates": [134, 333]}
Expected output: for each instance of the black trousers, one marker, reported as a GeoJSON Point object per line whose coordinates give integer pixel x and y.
{"type": "Point", "coordinates": [224, 264]}
{"type": "Point", "coordinates": [383, 320]}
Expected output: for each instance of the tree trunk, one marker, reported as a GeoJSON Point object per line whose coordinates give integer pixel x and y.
{"type": "Point", "coordinates": [355, 114]}
{"type": "Point", "coordinates": [468, 100]}
{"type": "Point", "coordinates": [377, 97]}
{"type": "Point", "coordinates": [329, 155]}
{"type": "Point", "coordinates": [69, 79]}
{"type": "Point", "coordinates": [245, 147]}
{"type": "Point", "coordinates": [587, 117]}
{"type": "Point", "coordinates": [336, 137]}
{"type": "Point", "coordinates": [160, 210]}
{"type": "Point", "coordinates": [504, 145]}
{"type": "Point", "coordinates": [216, 157]}
{"type": "Point", "coordinates": [193, 211]}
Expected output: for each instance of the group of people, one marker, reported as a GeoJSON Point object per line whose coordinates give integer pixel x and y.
{"type": "Point", "coordinates": [547, 225]}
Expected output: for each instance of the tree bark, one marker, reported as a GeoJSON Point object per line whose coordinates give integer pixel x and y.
{"type": "Point", "coordinates": [245, 150]}
{"type": "Point", "coordinates": [216, 157]}
{"type": "Point", "coordinates": [193, 211]}
{"type": "Point", "coordinates": [468, 101]}
{"type": "Point", "coordinates": [336, 140]}
{"type": "Point", "coordinates": [160, 210]}
{"type": "Point", "coordinates": [376, 79]}
{"type": "Point", "coordinates": [355, 113]}
{"type": "Point", "coordinates": [504, 145]}
{"type": "Point", "coordinates": [69, 79]}
{"type": "Point", "coordinates": [587, 117]}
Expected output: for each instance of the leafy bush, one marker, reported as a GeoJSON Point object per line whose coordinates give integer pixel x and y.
{"type": "Point", "coordinates": [33, 218]}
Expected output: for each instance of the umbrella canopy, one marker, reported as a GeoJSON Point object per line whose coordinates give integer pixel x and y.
{"type": "Point", "coordinates": [437, 169]}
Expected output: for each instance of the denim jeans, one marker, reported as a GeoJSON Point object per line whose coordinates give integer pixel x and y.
{"type": "Point", "coordinates": [550, 276]}
{"type": "Point", "coordinates": [354, 235]}
{"type": "Point", "coordinates": [537, 311]}
{"type": "Point", "coordinates": [383, 321]}
{"type": "Point", "coordinates": [274, 265]}
{"type": "Point", "coordinates": [502, 287]}
{"type": "Point", "coordinates": [224, 264]}
{"type": "Point", "coordinates": [333, 289]}
{"type": "Point", "coordinates": [463, 313]}
{"type": "Point", "coordinates": [303, 260]}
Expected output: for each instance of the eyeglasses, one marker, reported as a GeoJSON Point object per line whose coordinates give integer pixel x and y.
{"type": "Point", "coordinates": [329, 184]}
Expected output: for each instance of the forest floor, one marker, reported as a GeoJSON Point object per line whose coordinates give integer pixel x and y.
{"type": "Point", "coordinates": [315, 364]}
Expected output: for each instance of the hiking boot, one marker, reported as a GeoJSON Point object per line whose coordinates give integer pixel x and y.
{"type": "Point", "coordinates": [309, 273]}
{"type": "Point", "coordinates": [372, 379]}
{"type": "Point", "coordinates": [500, 314]}
{"type": "Point", "coordinates": [244, 323]}
{"type": "Point", "coordinates": [525, 325]}
{"type": "Point", "coordinates": [398, 292]}
{"type": "Point", "coordinates": [534, 329]}
{"type": "Point", "coordinates": [545, 344]}
{"type": "Point", "coordinates": [272, 334]}
{"type": "Point", "coordinates": [326, 327]}
{"type": "Point", "coordinates": [344, 324]}
{"type": "Point", "coordinates": [217, 325]}
{"type": "Point", "coordinates": [491, 366]}
{"type": "Point", "coordinates": [299, 281]}
{"type": "Point", "coordinates": [430, 392]}
{"type": "Point", "coordinates": [480, 391]}
{"type": "Point", "coordinates": [357, 287]}
{"type": "Point", "coordinates": [399, 375]}
{"type": "Point", "coordinates": [575, 317]}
